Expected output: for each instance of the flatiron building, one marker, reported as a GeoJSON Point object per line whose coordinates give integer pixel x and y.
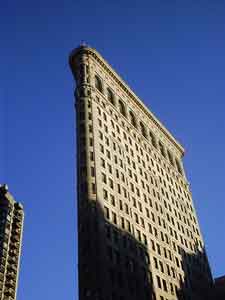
{"type": "Point", "coordinates": [138, 233]}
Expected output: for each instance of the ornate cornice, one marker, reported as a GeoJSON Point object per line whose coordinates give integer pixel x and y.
{"type": "Point", "coordinates": [92, 52]}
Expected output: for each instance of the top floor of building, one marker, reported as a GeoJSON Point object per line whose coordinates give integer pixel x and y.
{"type": "Point", "coordinates": [91, 70]}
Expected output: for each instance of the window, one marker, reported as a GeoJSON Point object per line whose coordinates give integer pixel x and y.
{"type": "Point", "coordinates": [143, 129]}
{"type": "Point", "coordinates": [102, 163]}
{"type": "Point", "coordinates": [170, 157]}
{"type": "Point", "coordinates": [133, 119]}
{"type": "Point", "coordinates": [110, 168]}
{"type": "Point", "coordinates": [121, 205]}
{"type": "Point", "coordinates": [136, 218]}
{"type": "Point", "coordinates": [138, 235]}
{"type": "Point", "coordinates": [114, 218]}
{"type": "Point", "coordinates": [110, 183]}
{"type": "Point", "coordinates": [103, 178]}
{"type": "Point", "coordinates": [142, 222]}
{"type": "Point", "coordinates": [110, 96]}
{"type": "Point", "coordinates": [106, 212]}
{"type": "Point", "coordinates": [155, 262]}
{"type": "Point", "coordinates": [128, 226]}
{"type": "Point", "coordinates": [92, 171]}
{"type": "Point", "coordinates": [158, 282]}
{"type": "Point", "coordinates": [161, 267]}
{"type": "Point", "coordinates": [145, 239]}
{"type": "Point", "coordinates": [93, 188]}
{"type": "Point", "coordinates": [153, 139]}
{"type": "Point", "coordinates": [102, 148]}
{"type": "Point", "coordinates": [122, 108]}
{"type": "Point", "coordinates": [164, 285]}
{"type": "Point", "coordinates": [108, 154]}
{"type": "Point", "coordinates": [162, 149]}
{"type": "Point", "coordinates": [98, 84]}
{"type": "Point", "coordinates": [122, 222]}
{"type": "Point", "coordinates": [178, 166]}
{"type": "Point", "coordinates": [158, 249]}
{"type": "Point", "coordinates": [91, 156]}
{"type": "Point", "coordinates": [100, 135]}
{"type": "Point", "coordinates": [105, 194]}
{"type": "Point", "coordinates": [112, 198]}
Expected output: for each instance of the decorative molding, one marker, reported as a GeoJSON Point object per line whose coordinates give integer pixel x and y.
{"type": "Point", "coordinates": [92, 52]}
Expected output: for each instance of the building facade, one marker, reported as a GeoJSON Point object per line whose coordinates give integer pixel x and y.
{"type": "Point", "coordinates": [138, 232]}
{"type": "Point", "coordinates": [11, 228]}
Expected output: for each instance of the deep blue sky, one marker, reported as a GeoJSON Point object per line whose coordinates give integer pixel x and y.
{"type": "Point", "coordinates": [172, 55]}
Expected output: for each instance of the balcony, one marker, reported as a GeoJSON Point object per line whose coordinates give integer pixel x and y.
{"type": "Point", "coordinates": [15, 245]}
{"type": "Point", "coordinates": [10, 275]}
{"type": "Point", "coordinates": [16, 231]}
{"type": "Point", "coordinates": [10, 284]}
{"type": "Point", "coordinates": [12, 259]}
{"type": "Point", "coordinates": [12, 267]}
{"type": "Point", "coordinates": [18, 215]}
{"type": "Point", "coordinates": [15, 238]}
{"type": "Point", "coordinates": [9, 298]}
{"type": "Point", "coordinates": [9, 292]}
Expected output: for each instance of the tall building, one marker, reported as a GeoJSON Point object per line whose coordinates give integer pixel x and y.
{"type": "Point", "coordinates": [138, 232]}
{"type": "Point", "coordinates": [11, 228]}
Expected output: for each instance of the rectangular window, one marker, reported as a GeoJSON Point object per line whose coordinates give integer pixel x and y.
{"type": "Point", "coordinates": [105, 194]}
{"type": "Point", "coordinates": [138, 235]}
{"type": "Point", "coordinates": [114, 218]}
{"type": "Point", "coordinates": [110, 183]}
{"type": "Point", "coordinates": [106, 212]}
{"type": "Point", "coordinates": [112, 199]}
{"type": "Point", "coordinates": [164, 285]}
{"type": "Point", "coordinates": [108, 154]}
{"type": "Point", "coordinates": [110, 168]}
{"type": "Point", "coordinates": [128, 226]}
{"type": "Point", "coordinates": [104, 178]}
{"type": "Point", "coordinates": [158, 281]}
{"type": "Point", "coordinates": [91, 156]}
{"type": "Point", "coordinates": [122, 223]}
{"type": "Point", "coordinates": [102, 162]}
{"type": "Point", "coordinates": [92, 171]}
{"type": "Point", "coordinates": [93, 188]}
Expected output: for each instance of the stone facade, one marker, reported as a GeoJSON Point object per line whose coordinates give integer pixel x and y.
{"type": "Point", "coordinates": [11, 228]}
{"type": "Point", "coordinates": [138, 232]}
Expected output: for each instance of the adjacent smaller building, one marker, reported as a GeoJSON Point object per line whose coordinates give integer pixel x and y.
{"type": "Point", "coordinates": [219, 288]}
{"type": "Point", "coordinates": [11, 229]}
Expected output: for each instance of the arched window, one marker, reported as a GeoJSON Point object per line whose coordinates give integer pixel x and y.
{"type": "Point", "coordinates": [162, 149]}
{"type": "Point", "coordinates": [178, 166]}
{"type": "Point", "coordinates": [98, 84]}
{"type": "Point", "coordinates": [143, 129]}
{"type": "Point", "coordinates": [110, 96]}
{"type": "Point", "coordinates": [153, 139]}
{"type": "Point", "coordinates": [122, 108]}
{"type": "Point", "coordinates": [133, 119]}
{"type": "Point", "coordinates": [170, 157]}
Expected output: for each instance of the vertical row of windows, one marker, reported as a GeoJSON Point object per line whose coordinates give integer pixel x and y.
{"type": "Point", "coordinates": [142, 126]}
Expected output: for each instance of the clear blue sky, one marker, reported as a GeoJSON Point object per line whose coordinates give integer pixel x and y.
{"type": "Point", "coordinates": [170, 52]}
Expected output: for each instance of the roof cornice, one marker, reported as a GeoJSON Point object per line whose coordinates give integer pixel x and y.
{"type": "Point", "coordinates": [90, 51]}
